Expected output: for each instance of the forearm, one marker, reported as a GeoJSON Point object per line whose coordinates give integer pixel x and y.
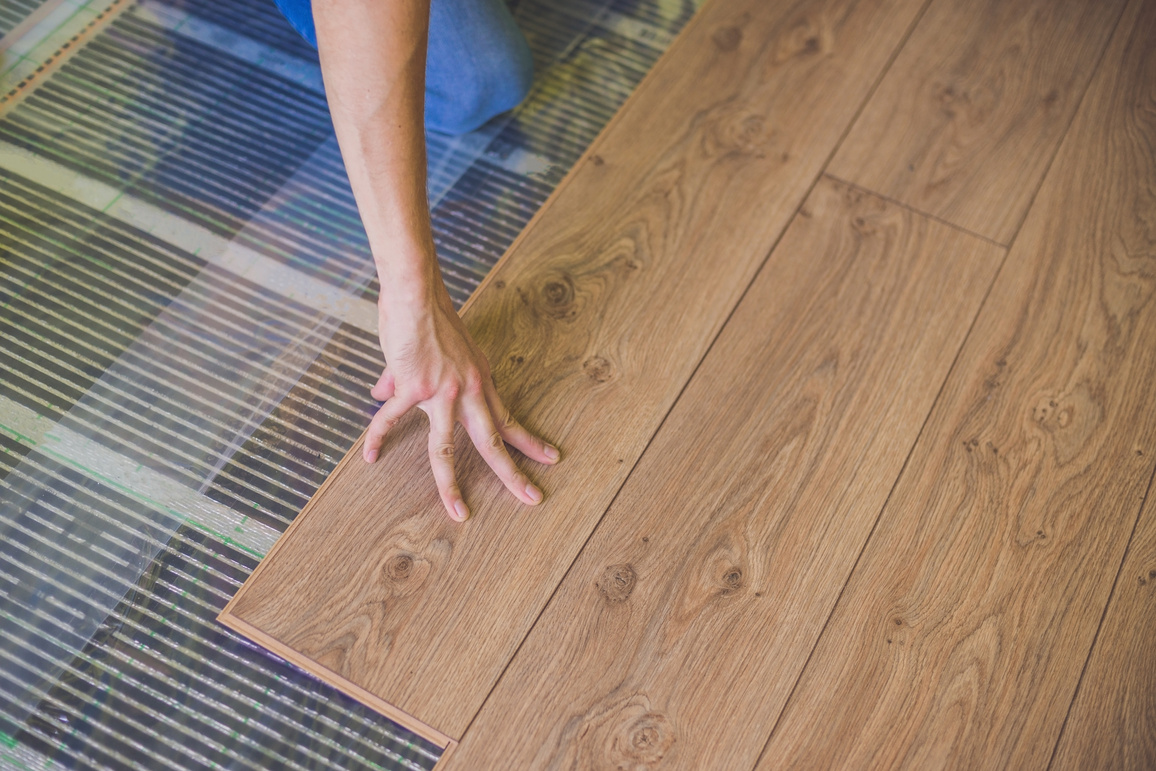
{"type": "Point", "coordinates": [373, 62]}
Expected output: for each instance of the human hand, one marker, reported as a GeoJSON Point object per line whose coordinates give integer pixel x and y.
{"type": "Point", "coordinates": [434, 365]}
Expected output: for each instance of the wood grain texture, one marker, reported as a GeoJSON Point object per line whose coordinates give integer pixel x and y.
{"type": "Point", "coordinates": [966, 121]}
{"type": "Point", "coordinates": [703, 590]}
{"type": "Point", "coordinates": [1112, 724]}
{"type": "Point", "coordinates": [593, 321]}
{"type": "Point", "coordinates": [961, 635]}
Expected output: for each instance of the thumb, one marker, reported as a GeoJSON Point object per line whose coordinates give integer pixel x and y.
{"type": "Point", "coordinates": [383, 388]}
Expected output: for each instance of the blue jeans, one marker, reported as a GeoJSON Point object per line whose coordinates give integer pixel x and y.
{"type": "Point", "coordinates": [479, 64]}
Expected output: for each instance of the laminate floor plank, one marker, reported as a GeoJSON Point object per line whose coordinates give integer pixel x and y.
{"type": "Point", "coordinates": [968, 118]}
{"type": "Point", "coordinates": [702, 592]}
{"type": "Point", "coordinates": [1112, 724]}
{"type": "Point", "coordinates": [961, 635]}
{"type": "Point", "coordinates": [593, 321]}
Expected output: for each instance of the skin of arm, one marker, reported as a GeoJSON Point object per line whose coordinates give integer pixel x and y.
{"type": "Point", "coordinates": [373, 59]}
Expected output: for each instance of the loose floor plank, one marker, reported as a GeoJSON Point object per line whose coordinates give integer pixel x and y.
{"type": "Point", "coordinates": [702, 592]}
{"type": "Point", "coordinates": [961, 635]}
{"type": "Point", "coordinates": [594, 321]}
{"type": "Point", "coordinates": [1112, 723]}
{"type": "Point", "coordinates": [966, 121]}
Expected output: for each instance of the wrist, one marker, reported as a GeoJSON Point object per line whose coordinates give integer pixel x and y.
{"type": "Point", "coordinates": [409, 276]}
{"type": "Point", "coordinates": [407, 299]}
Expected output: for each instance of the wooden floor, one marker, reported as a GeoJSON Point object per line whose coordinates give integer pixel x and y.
{"type": "Point", "coordinates": [846, 327]}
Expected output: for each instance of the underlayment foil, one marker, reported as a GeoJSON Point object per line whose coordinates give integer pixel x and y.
{"type": "Point", "coordinates": [187, 341]}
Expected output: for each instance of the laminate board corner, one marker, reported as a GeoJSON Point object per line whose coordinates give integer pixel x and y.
{"type": "Point", "coordinates": [277, 648]}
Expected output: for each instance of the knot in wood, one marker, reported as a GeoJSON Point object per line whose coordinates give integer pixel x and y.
{"type": "Point", "coordinates": [863, 225]}
{"type": "Point", "coordinates": [648, 739]}
{"type": "Point", "coordinates": [808, 37]}
{"type": "Point", "coordinates": [616, 583]}
{"type": "Point", "coordinates": [1070, 419]}
{"type": "Point", "coordinates": [727, 38]}
{"type": "Point", "coordinates": [732, 580]}
{"type": "Point", "coordinates": [736, 132]}
{"type": "Point", "coordinates": [749, 132]}
{"type": "Point", "coordinates": [597, 369]}
{"type": "Point", "coordinates": [399, 567]}
{"type": "Point", "coordinates": [558, 297]}
{"type": "Point", "coordinates": [950, 100]}
{"type": "Point", "coordinates": [556, 293]}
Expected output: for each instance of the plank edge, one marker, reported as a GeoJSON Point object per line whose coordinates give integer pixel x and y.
{"type": "Point", "coordinates": [402, 718]}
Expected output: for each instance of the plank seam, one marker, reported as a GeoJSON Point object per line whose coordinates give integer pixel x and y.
{"type": "Point", "coordinates": [915, 211]}
{"type": "Point", "coordinates": [1103, 615]}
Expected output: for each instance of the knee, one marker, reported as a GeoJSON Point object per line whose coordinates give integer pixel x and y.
{"type": "Point", "coordinates": [478, 88]}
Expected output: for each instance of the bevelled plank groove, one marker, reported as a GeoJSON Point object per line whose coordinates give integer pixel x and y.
{"type": "Point", "coordinates": [1113, 720]}
{"type": "Point", "coordinates": [593, 321]}
{"type": "Point", "coordinates": [961, 635]}
{"type": "Point", "coordinates": [966, 121]}
{"type": "Point", "coordinates": [705, 587]}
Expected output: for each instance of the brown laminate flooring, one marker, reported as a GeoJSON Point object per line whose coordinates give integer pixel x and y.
{"type": "Point", "coordinates": [846, 328]}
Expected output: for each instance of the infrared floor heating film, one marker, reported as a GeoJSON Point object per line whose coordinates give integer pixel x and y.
{"type": "Point", "coordinates": [188, 341]}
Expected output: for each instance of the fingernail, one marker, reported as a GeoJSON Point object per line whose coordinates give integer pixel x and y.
{"type": "Point", "coordinates": [534, 493]}
{"type": "Point", "coordinates": [551, 452]}
{"type": "Point", "coordinates": [463, 512]}
{"type": "Point", "coordinates": [371, 456]}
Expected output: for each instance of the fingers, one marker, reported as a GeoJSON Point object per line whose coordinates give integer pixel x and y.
{"type": "Point", "coordinates": [441, 461]}
{"type": "Point", "coordinates": [489, 441]}
{"type": "Point", "coordinates": [383, 389]}
{"type": "Point", "coordinates": [383, 422]}
{"type": "Point", "coordinates": [489, 424]}
{"type": "Point", "coordinates": [516, 434]}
